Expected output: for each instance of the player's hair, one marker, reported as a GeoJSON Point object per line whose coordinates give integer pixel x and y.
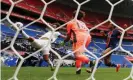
{"type": "Point", "coordinates": [57, 24]}
{"type": "Point", "coordinates": [80, 15]}
{"type": "Point", "coordinates": [112, 26]}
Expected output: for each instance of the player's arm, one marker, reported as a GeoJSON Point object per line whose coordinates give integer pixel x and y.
{"type": "Point", "coordinates": [103, 33]}
{"type": "Point", "coordinates": [119, 32]}
{"type": "Point", "coordinates": [62, 36]}
{"type": "Point", "coordinates": [67, 38]}
{"type": "Point", "coordinates": [68, 33]}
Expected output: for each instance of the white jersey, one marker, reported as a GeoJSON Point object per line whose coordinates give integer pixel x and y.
{"type": "Point", "coordinates": [82, 25]}
{"type": "Point", "coordinates": [49, 34]}
{"type": "Point", "coordinates": [38, 43]}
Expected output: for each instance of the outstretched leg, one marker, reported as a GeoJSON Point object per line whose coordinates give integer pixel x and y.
{"type": "Point", "coordinates": [92, 63]}
{"type": "Point", "coordinates": [36, 44]}
{"type": "Point", "coordinates": [107, 60]}
{"type": "Point", "coordinates": [47, 59]}
{"type": "Point", "coordinates": [79, 60]}
{"type": "Point", "coordinates": [26, 36]}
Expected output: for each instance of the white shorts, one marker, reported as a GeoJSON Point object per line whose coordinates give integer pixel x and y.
{"type": "Point", "coordinates": [38, 43]}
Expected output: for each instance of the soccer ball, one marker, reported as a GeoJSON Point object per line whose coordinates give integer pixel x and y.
{"type": "Point", "coordinates": [19, 24]}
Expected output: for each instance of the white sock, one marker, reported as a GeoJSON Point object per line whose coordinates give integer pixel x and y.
{"type": "Point", "coordinates": [78, 69]}
{"type": "Point", "coordinates": [51, 64]}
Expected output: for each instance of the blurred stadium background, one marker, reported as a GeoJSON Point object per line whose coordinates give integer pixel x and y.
{"type": "Point", "coordinates": [61, 11]}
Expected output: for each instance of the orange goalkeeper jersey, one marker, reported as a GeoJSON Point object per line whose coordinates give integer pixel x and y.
{"type": "Point", "coordinates": [77, 30]}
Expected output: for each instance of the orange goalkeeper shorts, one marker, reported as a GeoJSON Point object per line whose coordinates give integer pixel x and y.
{"type": "Point", "coordinates": [78, 46]}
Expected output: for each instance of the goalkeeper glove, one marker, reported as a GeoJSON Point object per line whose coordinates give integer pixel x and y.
{"type": "Point", "coordinates": [62, 43]}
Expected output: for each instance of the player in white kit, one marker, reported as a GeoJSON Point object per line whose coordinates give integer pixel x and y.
{"type": "Point", "coordinates": [43, 41]}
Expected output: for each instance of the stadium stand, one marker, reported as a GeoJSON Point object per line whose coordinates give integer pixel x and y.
{"type": "Point", "coordinates": [59, 14]}
{"type": "Point", "coordinates": [54, 10]}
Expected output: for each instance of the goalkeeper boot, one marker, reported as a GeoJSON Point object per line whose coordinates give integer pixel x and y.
{"type": "Point", "coordinates": [78, 71]}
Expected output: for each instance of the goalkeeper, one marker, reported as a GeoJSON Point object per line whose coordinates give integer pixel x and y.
{"type": "Point", "coordinates": [77, 31]}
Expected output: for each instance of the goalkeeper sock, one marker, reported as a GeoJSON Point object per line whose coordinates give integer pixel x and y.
{"type": "Point", "coordinates": [78, 64]}
{"type": "Point", "coordinates": [79, 61]}
{"type": "Point", "coordinates": [83, 58]}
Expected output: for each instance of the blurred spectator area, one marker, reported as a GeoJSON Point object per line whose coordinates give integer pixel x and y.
{"type": "Point", "coordinates": [28, 10]}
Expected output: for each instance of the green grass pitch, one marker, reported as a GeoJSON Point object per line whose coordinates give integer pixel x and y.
{"type": "Point", "coordinates": [65, 73]}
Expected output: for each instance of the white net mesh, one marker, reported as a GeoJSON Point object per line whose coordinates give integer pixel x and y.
{"type": "Point", "coordinates": [53, 30]}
